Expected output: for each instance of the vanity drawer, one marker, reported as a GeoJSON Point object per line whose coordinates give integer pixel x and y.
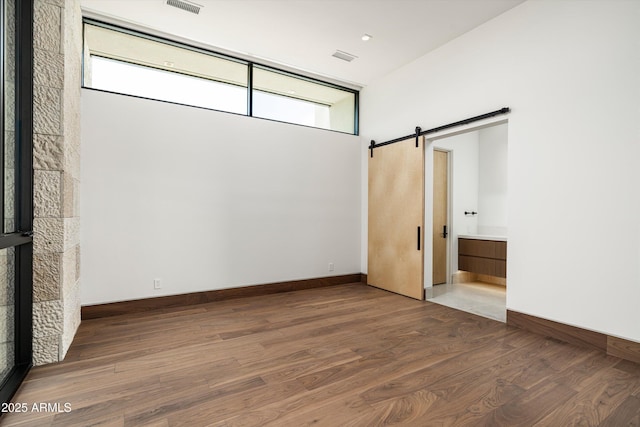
{"type": "Point", "coordinates": [477, 265]}
{"type": "Point", "coordinates": [483, 256]}
{"type": "Point", "coordinates": [481, 248]}
{"type": "Point", "coordinates": [501, 250]}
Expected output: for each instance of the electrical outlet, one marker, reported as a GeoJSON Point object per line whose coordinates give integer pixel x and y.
{"type": "Point", "coordinates": [157, 284]}
{"type": "Point", "coordinates": [330, 266]}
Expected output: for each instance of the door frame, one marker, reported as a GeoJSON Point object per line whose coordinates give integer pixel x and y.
{"type": "Point", "coordinates": [428, 187]}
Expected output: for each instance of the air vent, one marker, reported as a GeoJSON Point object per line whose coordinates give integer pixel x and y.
{"type": "Point", "coordinates": [344, 56]}
{"type": "Point", "coordinates": [189, 7]}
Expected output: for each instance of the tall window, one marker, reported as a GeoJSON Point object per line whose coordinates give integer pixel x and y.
{"type": "Point", "coordinates": [16, 201]}
{"type": "Point", "coordinates": [127, 62]}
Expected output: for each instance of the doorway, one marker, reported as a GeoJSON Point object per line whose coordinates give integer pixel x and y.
{"type": "Point", "coordinates": [477, 184]}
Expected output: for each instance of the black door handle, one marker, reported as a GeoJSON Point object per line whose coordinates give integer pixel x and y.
{"type": "Point", "coordinates": [444, 231]}
{"type": "Point", "coordinates": [418, 237]}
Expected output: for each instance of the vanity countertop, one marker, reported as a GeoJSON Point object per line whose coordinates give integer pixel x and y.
{"type": "Point", "coordinates": [483, 237]}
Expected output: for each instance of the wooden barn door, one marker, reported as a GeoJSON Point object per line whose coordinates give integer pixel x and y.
{"type": "Point", "coordinates": [396, 216]}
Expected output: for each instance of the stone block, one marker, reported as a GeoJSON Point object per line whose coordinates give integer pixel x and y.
{"type": "Point", "coordinates": [71, 232]}
{"type": "Point", "coordinates": [6, 278]}
{"type": "Point", "coordinates": [9, 193]}
{"type": "Point", "coordinates": [48, 152]}
{"type": "Point", "coordinates": [76, 199]}
{"type": "Point", "coordinates": [59, 3]}
{"type": "Point", "coordinates": [72, 18]}
{"type": "Point", "coordinates": [71, 162]}
{"type": "Point", "coordinates": [9, 150]}
{"type": "Point", "coordinates": [78, 252]}
{"type": "Point", "coordinates": [7, 352]}
{"type": "Point", "coordinates": [69, 277]}
{"type": "Point", "coordinates": [47, 111]}
{"type": "Point", "coordinates": [70, 193]}
{"type": "Point", "coordinates": [8, 275]}
{"type": "Point", "coordinates": [55, 234]}
{"type": "Point", "coordinates": [47, 194]}
{"type": "Point", "coordinates": [47, 318]}
{"type": "Point", "coordinates": [47, 28]}
{"type": "Point", "coordinates": [48, 68]}
{"type": "Point", "coordinates": [46, 350]}
{"type": "Point", "coordinates": [71, 317]}
{"type": "Point", "coordinates": [9, 105]}
{"type": "Point", "coordinates": [10, 42]}
{"type": "Point", "coordinates": [48, 235]}
{"type": "Point", "coordinates": [71, 117]}
{"type": "Point", "coordinates": [71, 112]}
{"type": "Point", "coordinates": [7, 316]}
{"type": "Point", "coordinates": [47, 276]}
{"type": "Point", "coordinates": [10, 70]}
{"type": "Point", "coordinates": [73, 55]}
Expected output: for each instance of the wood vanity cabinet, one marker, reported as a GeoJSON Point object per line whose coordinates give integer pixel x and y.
{"type": "Point", "coordinates": [483, 256]}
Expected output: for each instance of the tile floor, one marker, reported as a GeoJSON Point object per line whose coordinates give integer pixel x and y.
{"type": "Point", "coordinates": [478, 298]}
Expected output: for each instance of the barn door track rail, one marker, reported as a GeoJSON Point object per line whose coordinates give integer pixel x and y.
{"type": "Point", "coordinates": [419, 132]}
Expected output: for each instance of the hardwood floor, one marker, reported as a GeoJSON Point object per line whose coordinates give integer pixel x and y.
{"type": "Point", "coordinates": [348, 355]}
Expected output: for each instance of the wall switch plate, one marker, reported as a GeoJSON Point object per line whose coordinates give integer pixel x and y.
{"type": "Point", "coordinates": [157, 284]}
{"type": "Point", "coordinates": [330, 266]}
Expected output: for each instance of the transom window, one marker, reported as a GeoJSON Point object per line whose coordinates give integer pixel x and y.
{"type": "Point", "coordinates": [131, 63]}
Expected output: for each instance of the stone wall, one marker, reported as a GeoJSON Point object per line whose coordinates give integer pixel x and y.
{"type": "Point", "coordinates": [56, 139]}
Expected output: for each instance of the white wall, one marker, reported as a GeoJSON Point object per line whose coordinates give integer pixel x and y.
{"type": "Point", "coordinates": [570, 71]}
{"type": "Point", "coordinates": [493, 181]}
{"type": "Point", "coordinates": [207, 200]}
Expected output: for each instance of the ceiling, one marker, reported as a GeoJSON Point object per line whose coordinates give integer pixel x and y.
{"type": "Point", "coordinates": [303, 34]}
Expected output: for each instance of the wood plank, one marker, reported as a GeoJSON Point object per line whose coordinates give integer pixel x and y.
{"type": "Point", "coordinates": [405, 410]}
{"type": "Point", "coordinates": [530, 407]}
{"type": "Point", "coordinates": [626, 414]}
{"type": "Point", "coordinates": [348, 355]}
{"type": "Point", "coordinates": [597, 399]}
{"type": "Point", "coordinates": [137, 306]}
{"type": "Point", "coordinates": [567, 333]}
{"type": "Point", "coordinates": [396, 214]}
{"type": "Point", "coordinates": [624, 349]}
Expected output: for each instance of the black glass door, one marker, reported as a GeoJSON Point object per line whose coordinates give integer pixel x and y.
{"type": "Point", "coordinates": [16, 195]}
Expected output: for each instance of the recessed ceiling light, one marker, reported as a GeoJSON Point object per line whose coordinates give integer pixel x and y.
{"type": "Point", "coordinates": [291, 92]}
{"type": "Point", "coordinates": [168, 64]}
{"type": "Point", "coordinates": [367, 37]}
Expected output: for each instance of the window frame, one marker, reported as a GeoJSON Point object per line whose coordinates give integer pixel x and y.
{"type": "Point", "coordinates": [250, 68]}
{"type": "Point", "coordinates": [22, 238]}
